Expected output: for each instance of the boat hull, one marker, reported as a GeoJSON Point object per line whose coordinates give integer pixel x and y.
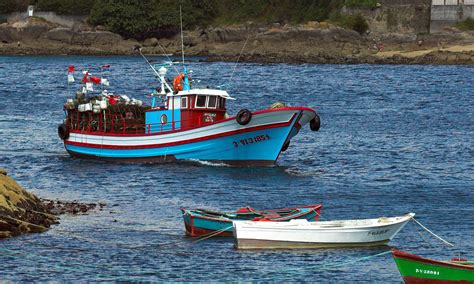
{"type": "Point", "coordinates": [198, 225]}
{"type": "Point", "coordinates": [415, 269]}
{"type": "Point", "coordinates": [258, 143]}
{"type": "Point", "coordinates": [249, 244]}
{"type": "Point", "coordinates": [322, 234]}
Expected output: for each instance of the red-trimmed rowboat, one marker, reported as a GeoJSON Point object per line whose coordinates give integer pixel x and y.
{"type": "Point", "coordinates": [202, 221]}
{"type": "Point", "coordinates": [417, 269]}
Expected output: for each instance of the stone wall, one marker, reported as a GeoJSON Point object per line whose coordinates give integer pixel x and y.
{"type": "Point", "coordinates": [445, 13]}
{"type": "Point", "coordinates": [396, 16]}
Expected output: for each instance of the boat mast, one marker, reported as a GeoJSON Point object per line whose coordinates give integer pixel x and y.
{"type": "Point", "coordinates": [186, 86]}
{"type": "Point", "coordinates": [182, 39]}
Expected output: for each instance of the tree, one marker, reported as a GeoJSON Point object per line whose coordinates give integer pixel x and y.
{"type": "Point", "coordinates": [150, 17]}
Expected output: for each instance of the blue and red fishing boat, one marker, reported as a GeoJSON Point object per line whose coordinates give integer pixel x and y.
{"type": "Point", "coordinates": [189, 124]}
{"type": "Point", "coordinates": [200, 222]}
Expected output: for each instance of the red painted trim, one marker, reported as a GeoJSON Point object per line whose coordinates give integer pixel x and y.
{"type": "Point", "coordinates": [289, 133]}
{"type": "Point", "coordinates": [412, 257]}
{"type": "Point", "coordinates": [419, 280]}
{"type": "Point", "coordinates": [196, 231]}
{"type": "Point", "coordinates": [233, 132]}
{"type": "Point", "coordinates": [192, 128]}
{"type": "Point", "coordinates": [285, 218]}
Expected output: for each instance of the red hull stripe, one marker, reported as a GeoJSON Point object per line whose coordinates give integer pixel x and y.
{"type": "Point", "coordinates": [195, 232]}
{"type": "Point", "coordinates": [283, 124]}
{"type": "Point", "coordinates": [187, 129]}
{"type": "Point", "coordinates": [412, 257]}
{"type": "Point", "coordinates": [417, 280]}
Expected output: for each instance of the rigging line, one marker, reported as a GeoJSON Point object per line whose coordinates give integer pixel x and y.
{"type": "Point", "coordinates": [182, 39]}
{"type": "Point", "coordinates": [438, 237]}
{"type": "Point", "coordinates": [235, 66]}
{"type": "Point", "coordinates": [167, 57]}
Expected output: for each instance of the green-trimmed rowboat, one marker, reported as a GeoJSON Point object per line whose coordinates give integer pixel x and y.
{"type": "Point", "coordinates": [416, 269]}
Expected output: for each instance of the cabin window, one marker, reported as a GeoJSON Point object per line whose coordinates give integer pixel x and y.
{"type": "Point", "coordinates": [184, 102]}
{"type": "Point", "coordinates": [221, 103]}
{"type": "Point", "coordinates": [201, 101]}
{"type": "Point", "coordinates": [212, 102]}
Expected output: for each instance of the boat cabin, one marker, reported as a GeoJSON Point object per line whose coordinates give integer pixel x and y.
{"type": "Point", "coordinates": [187, 109]}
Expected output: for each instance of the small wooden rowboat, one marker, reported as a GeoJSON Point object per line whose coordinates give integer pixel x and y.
{"type": "Point", "coordinates": [202, 221]}
{"type": "Point", "coordinates": [416, 269]}
{"type": "Point", "coordinates": [321, 234]}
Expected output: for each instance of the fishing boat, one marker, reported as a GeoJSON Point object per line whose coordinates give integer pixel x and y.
{"type": "Point", "coordinates": [203, 222]}
{"type": "Point", "coordinates": [417, 269]}
{"type": "Point", "coordinates": [183, 122]}
{"type": "Point", "coordinates": [321, 234]}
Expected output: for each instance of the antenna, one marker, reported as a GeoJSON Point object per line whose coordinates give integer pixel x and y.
{"type": "Point", "coordinates": [182, 40]}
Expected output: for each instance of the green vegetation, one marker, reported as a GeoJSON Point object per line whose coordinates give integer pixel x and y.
{"type": "Point", "coordinates": [361, 3]}
{"type": "Point", "coordinates": [270, 11]}
{"type": "Point", "coordinates": [145, 18]}
{"type": "Point", "coordinates": [9, 6]}
{"type": "Point", "coordinates": [150, 17]}
{"type": "Point", "coordinates": [356, 23]}
{"type": "Point", "coordinates": [65, 7]}
{"type": "Point", "coordinates": [466, 25]}
{"type": "Point", "coordinates": [62, 7]}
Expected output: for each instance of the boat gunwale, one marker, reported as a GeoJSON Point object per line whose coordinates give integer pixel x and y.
{"type": "Point", "coordinates": [229, 220]}
{"type": "Point", "coordinates": [398, 254]}
{"type": "Point", "coordinates": [299, 108]}
{"type": "Point", "coordinates": [317, 225]}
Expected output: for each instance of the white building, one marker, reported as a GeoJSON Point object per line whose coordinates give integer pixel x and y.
{"type": "Point", "coordinates": [445, 13]}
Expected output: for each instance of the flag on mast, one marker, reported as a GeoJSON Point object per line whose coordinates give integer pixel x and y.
{"type": "Point", "coordinates": [70, 76]}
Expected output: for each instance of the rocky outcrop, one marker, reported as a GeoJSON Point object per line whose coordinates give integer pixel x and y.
{"type": "Point", "coordinates": [6, 35]}
{"type": "Point", "coordinates": [20, 211]}
{"type": "Point", "coordinates": [60, 34]}
{"type": "Point", "coordinates": [313, 42]}
{"type": "Point", "coordinates": [150, 42]}
{"type": "Point", "coordinates": [37, 36]}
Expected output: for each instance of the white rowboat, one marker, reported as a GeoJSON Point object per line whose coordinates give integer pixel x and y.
{"type": "Point", "coordinates": [321, 234]}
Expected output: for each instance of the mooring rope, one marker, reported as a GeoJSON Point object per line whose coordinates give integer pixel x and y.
{"type": "Point", "coordinates": [315, 211]}
{"type": "Point", "coordinates": [435, 235]}
{"type": "Point", "coordinates": [213, 234]}
{"type": "Point", "coordinates": [321, 267]}
{"type": "Point", "coordinates": [329, 266]}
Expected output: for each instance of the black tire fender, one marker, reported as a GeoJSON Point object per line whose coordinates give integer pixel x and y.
{"type": "Point", "coordinates": [315, 123]}
{"type": "Point", "coordinates": [63, 131]}
{"type": "Point", "coordinates": [243, 117]}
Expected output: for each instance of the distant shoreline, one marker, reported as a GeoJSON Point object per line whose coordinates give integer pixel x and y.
{"type": "Point", "coordinates": [443, 57]}
{"type": "Point", "coordinates": [300, 44]}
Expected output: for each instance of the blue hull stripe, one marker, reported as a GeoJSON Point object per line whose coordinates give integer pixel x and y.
{"type": "Point", "coordinates": [242, 146]}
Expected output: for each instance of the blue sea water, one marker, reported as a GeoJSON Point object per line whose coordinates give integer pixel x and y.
{"type": "Point", "coordinates": [394, 139]}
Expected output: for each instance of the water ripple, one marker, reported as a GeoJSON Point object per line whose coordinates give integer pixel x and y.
{"type": "Point", "coordinates": [393, 139]}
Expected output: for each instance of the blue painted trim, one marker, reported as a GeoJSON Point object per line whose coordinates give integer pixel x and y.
{"type": "Point", "coordinates": [233, 148]}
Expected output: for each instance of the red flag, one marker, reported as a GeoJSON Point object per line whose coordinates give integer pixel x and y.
{"type": "Point", "coordinates": [85, 79]}
{"type": "Point", "coordinates": [112, 100]}
{"type": "Point", "coordinates": [95, 80]}
{"type": "Point", "coordinates": [71, 69]}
